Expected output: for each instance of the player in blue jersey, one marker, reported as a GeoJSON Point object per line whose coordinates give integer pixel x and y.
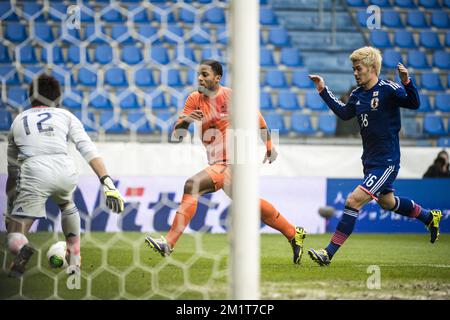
{"type": "Point", "coordinates": [376, 103]}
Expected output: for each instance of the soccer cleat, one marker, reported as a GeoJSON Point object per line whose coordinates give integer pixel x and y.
{"type": "Point", "coordinates": [433, 226]}
{"type": "Point", "coordinates": [159, 245]}
{"type": "Point", "coordinates": [18, 265]}
{"type": "Point", "coordinates": [297, 244]}
{"type": "Point", "coordinates": [320, 257]}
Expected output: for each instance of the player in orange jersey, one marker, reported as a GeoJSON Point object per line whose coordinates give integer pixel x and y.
{"type": "Point", "coordinates": [210, 105]}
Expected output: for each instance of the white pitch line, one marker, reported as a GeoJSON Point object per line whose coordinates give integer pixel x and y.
{"type": "Point", "coordinates": [407, 265]}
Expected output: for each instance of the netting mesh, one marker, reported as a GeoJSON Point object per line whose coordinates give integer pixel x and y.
{"type": "Point", "coordinates": [124, 66]}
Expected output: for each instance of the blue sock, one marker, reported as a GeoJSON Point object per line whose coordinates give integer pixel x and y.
{"type": "Point", "coordinates": [343, 230]}
{"type": "Point", "coordinates": [408, 208]}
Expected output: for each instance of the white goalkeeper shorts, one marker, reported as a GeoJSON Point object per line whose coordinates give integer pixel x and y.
{"type": "Point", "coordinates": [42, 177]}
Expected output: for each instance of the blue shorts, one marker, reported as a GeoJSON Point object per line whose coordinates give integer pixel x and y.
{"type": "Point", "coordinates": [379, 180]}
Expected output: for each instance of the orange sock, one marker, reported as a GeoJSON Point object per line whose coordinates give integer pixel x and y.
{"type": "Point", "coordinates": [274, 219]}
{"type": "Point", "coordinates": [185, 212]}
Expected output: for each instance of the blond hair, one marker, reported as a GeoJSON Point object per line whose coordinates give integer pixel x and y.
{"type": "Point", "coordinates": [369, 57]}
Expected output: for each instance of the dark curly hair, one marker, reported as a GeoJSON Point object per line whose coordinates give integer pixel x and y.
{"type": "Point", "coordinates": [44, 90]}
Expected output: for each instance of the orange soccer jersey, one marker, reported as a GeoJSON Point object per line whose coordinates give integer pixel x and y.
{"type": "Point", "coordinates": [215, 121]}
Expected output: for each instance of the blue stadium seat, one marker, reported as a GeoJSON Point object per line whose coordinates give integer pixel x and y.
{"type": "Point", "coordinates": [192, 77]}
{"type": "Point", "coordinates": [380, 39]}
{"type": "Point", "coordinates": [429, 4]}
{"type": "Point", "coordinates": [166, 121]}
{"type": "Point", "coordinates": [131, 54]}
{"type": "Point", "coordinates": [279, 37]}
{"type": "Point", "coordinates": [5, 120]}
{"type": "Point", "coordinates": [275, 121]}
{"type": "Point", "coordinates": [6, 12]}
{"type": "Point", "coordinates": [110, 121]}
{"type": "Point", "coordinates": [442, 102]}
{"type": "Point", "coordinates": [57, 11]}
{"type": "Point", "coordinates": [121, 34]}
{"type": "Point", "coordinates": [440, 19]}
{"type": "Point", "coordinates": [211, 53]}
{"type": "Point", "coordinates": [380, 3]}
{"type": "Point", "coordinates": [87, 77]}
{"type": "Point", "coordinates": [431, 81]}
{"type": "Point", "coordinates": [4, 54]}
{"type": "Point", "coordinates": [144, 78]}
{"type": "Point", "coordinates": [276, 79]}
{"type": "Point", "coordinates": [391, 58]}
{"type": "Point", "coordinates": [173, 31]}
{"type": "Point", "coordinates": [128, 100]}
{"type": "Point", "coordinates": [288, 100]}
{"type": "Point", "coordinates": [146, 32]}
{"type": "Point", "coordinates": [447, 38]}
{"type": "Point", "coordinates": [43, 32]}
{"type": "Point", "coordinates": [57, 55]}
{"type": "Point", "coordinates": [116, 77]}
{"type": "Point", "coordinates": [443, 142]}
{"type": "Point", "coordinates": [93, 36]}
{"type": "Point", "coordinates": [33, 11]}
{"type": "Point", "coordinates": [72, 99]}
{"type": "Point", "coordinates": [157, 102]}
{"type": "Point", "coordinates": [167, 14]}
{"type": "Point", "coordinates": [327, 123]}
{"type": "Point", "coordinates": [186, 16]}
{"type": "Point", "coordinates": [404, 39]}
{"type": "Point", "coordinates": [441, 60]}
{"type": "Point", "coordinates": [433, 125]}
{"type": "Point", "coordinates": [411, 127]}
{"type": "Point", "coordinates": [9, 75]}
{"type": "Point", "coordinates": [417, 59]}
{"type": "Point", "coordinates": [27, 54]}
{"type": "Point", "coordinates": [86, 13]}
{"type": "Point", "coordinates": [112, 16]}
{"type": "Point", "coordinates": [222, 35]}
{"type": "Point", "coordinates": [174, 78]}
{"type": "Point", "coordinates": [100, 102]}
{"type": "Point", "coordinates": [362, 16]}
{"type": "Point", "coordinates": [301, 79]}
{"type": "Point", "coordinates": [429, 40]}
{"type": "Point", "coordinates": [406, 4]}
{"type": "Point", "coordinates": [160, 54]}
{"type": "Point", "coordinates": [391, 19]}
{"type": "Point", "coordinates": [265, 101]}
{"type": "Point", "coordinates": [31, 72]}
{"type": "Point", "coordinates": [103, 54]}
{"type": "Point", "coordinates": [70, 36]}
{"type": "Point", "coordinates": [202, 36]}
{"type": "Point", "coordinates": [267, 16]}
{"type": "Point", "coordinates": [177, 101]}
{"type": "Point", "coordinates": [63, 73]}
{"type": "Point", "coordinates": [290, 57]}
{"type": "Point", "coordinates": [447, 3]}
{"type": "Point", "coordinates": [215, 16]}
{"type": "Point", "coordinates": [15, 32]}
{"type": "Point", "coordinates": [416, 19]}
{"type": "Point", "coordinates": [187, 55]}
{"type": "Point", "coordinates": [17, 97]}
{"type": "Point", "coordinates": [266, 57]}
{"type": "Point", "coordinates": [314, 102]}
{"type": "Point", "coordinates": [138, 121]}
{"type": "Point", "coordinates": [139, 13]}
{"type": "Point", "coordinates": [425, 105]}
{"type": "Point", "coordinates": [75, 53]}
{"type": "Point", "coordinates": [88, 120]}
{"type": "Point", "coordinates": [356, 3]}
{"type": "Point", "coordinates": [301, 124]}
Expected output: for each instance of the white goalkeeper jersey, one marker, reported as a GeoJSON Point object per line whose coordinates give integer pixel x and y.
{"type": "Point", "coordinates": [47, 131]}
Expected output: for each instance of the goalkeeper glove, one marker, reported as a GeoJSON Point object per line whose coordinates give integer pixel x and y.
{"type": "Point", "coordinates": [271, 155]}
{"type": "Point", "coordinates": [114, 200]}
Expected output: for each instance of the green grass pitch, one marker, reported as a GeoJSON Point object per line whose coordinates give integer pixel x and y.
{"type": "Point", "coordinates": [120, 266]}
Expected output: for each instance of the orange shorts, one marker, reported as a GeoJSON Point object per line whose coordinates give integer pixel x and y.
{"type": "Point", "coordinates": [220, 175]}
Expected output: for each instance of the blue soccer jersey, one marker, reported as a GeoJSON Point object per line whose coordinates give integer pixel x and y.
{"type": "Point", "coordinates": [378, 114]}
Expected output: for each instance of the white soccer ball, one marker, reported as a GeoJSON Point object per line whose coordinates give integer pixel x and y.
{"type": "Point", "coordinates": [56, 255]}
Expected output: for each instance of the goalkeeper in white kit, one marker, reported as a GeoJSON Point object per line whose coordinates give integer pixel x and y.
{"type": "Point", "coordinates": [39, 167]}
